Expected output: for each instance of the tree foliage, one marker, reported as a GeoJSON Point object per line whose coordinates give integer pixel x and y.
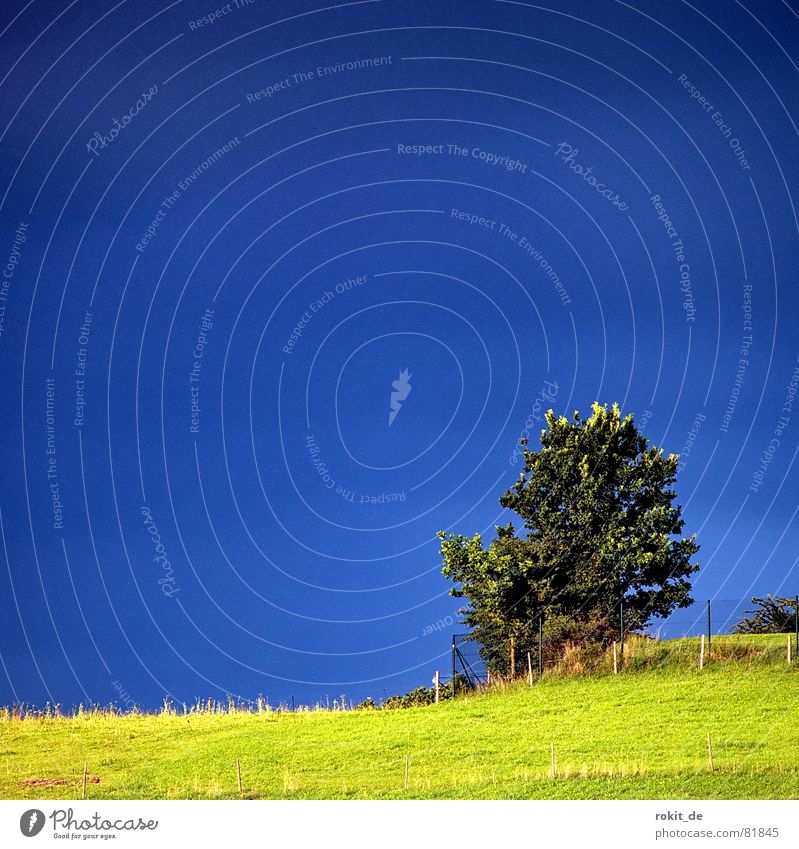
{"type": "Point", "coordinates": [771, 615]}
{"type": "Point", "coordinates": [600, 525]}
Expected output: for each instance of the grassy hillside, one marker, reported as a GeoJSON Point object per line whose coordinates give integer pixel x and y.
{"type": "Point", "coordinates": [641, 734]}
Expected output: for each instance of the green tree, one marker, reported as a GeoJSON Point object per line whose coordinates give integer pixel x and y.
{"type": "Point", "coordinates": [771, 615]}
{"type": "Point", "coordinates": [600, 525]}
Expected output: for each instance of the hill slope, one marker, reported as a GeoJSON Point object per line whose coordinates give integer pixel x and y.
{"type": "Point", "coordinates": [641, 734]}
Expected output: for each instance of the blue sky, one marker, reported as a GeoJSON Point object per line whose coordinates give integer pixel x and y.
{"type": "Point", "coordinates": [224, 238]}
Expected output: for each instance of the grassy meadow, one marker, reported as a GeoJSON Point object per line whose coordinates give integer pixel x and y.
{"type": "Point", "coordinates": [642, 734]}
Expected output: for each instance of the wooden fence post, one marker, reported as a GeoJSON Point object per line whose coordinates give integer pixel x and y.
{"type": "Point", "coordinates": [615, 662]}
{"type": "Point", "coordinates": [437, 682]}
{"type": "Point", "coordinates": [702, 652]}
{"type": "Point", "coordinates": [789, 647]}
{"type": "Point", "coordinates": [512, 657]}
{"type": "Point", "coordinates": [529, 669]}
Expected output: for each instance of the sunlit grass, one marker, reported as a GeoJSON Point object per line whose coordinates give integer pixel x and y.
{"type": "Point", "coordinates": [639, 734]}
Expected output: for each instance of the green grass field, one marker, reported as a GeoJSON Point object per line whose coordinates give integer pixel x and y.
{"type": "Point", "coordinates": [641, 734]}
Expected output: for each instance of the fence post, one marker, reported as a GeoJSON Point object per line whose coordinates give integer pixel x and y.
{"type": "Point", "coordinates": [796, 627]}
{"type": "Point", "coordinates": [437, 682]}
{"type": "Point", "coordinates": [454, 667]}
{"type": "Point", "coordinates": [709, 631]}
{"type": "Point", "coordinates": [529, 669]}
{"type": "Point", "coordinates": [702, 652]}
{"type": "Point", "coordinates": [540, 645]}
{"type": "Point", "coordinates": [621, 630]}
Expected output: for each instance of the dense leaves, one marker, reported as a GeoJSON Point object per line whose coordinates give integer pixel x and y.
{"type": "Point", "coordinates": [420, 696]}
{"type": "Point", "coordinates": [771, 615]}
{"type": "Point", "coordinates": [600, 525]}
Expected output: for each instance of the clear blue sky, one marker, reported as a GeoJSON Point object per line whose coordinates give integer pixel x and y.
{"type": "Point", "coordinates": [224, 240]}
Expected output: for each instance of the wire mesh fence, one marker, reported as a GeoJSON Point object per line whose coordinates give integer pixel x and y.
{"type": "Point", "coordinates": [529, 650]}
{"type": "Point", "coordinates": [469, 666]}
{"type": "Point", "coordinates": [766, 615]}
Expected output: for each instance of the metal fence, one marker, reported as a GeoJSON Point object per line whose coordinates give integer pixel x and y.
{"type": "Point", "coordinates": [531, 650]}
{"type": "Point", "coordinates": [469, 669]}
{"type": "Point", "coordinates": [720, 617]}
